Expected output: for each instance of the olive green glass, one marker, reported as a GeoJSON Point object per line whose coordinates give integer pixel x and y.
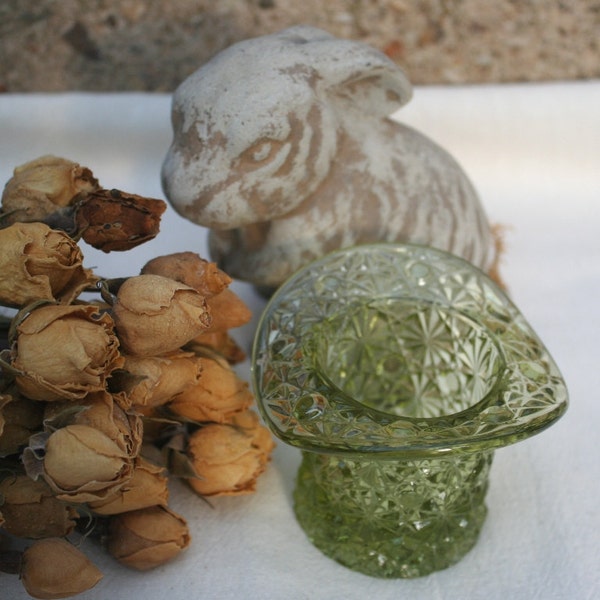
{"type": "Point", "coordinates": [398, 370]}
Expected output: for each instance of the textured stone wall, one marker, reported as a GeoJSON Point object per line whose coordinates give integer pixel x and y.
{"type": "Point", "coordinates": [152, 45]}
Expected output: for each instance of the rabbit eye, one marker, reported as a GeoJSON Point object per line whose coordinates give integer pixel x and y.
{"type": "Point", "coordinates": [259, 153]}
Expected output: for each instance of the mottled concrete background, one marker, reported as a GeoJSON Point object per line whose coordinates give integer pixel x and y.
{"type": "Point", "coordinates": [152, 45]}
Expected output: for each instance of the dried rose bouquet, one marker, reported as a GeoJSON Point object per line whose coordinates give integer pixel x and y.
{"type": "Point", "coordinates": [102, 400]}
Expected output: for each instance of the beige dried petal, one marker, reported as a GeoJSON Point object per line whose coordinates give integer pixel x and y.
{"type": "Point", "coordinates": [31, 510]}
{"type": "Point", "coordinates": [222, 343]}
{"type": "Point", "coordinates": [218, 395]}
{"type": "Point", "coordinates": [190, 269]}
{"type": "Point", "coordinates": [147, 538]}
{"type": "Point", "coordinates": [100, 411]}
{"type": "Point", "coordinates": [40, 263]}
{"type": "Point", "coordinates": [38, 188]}
{"type": "Point", "coordinates": [64, 352]}
{"type": "Point", "coordinates": [228, 311]}
{"type": "Point", "coordinates": [223, 460]}
{"type": "Point", "coordinates": [249, 423]}
{"type": "Point", "coordinates": [159, 379]}
{"type": "Point", "coordinates": [147, 487]}
{"type": "Point", "coordinates": [228, 459]}
{"type": "Point", "coordinates": [82, 464]}
{"type": "Point", "coordinates": [155, 315]}
{"type": "Point", "coordinates": [54, 568]}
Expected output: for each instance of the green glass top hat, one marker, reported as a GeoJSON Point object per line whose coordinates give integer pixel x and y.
{"type": "Point", "coordinates": [400, 350]}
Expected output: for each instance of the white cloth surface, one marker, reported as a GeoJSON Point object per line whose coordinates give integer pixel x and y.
{"type": "Point", "coordinates": [533, 153]}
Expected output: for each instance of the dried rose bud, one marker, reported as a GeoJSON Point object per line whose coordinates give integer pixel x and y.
{"type": "Point", "coordinates": [154, 380]}
{"type": "Point", "coordinates": [218, 395]}
{"type": "Point", "coordinates": [40, 187]}
{"type": "Point", "coordinates": [20, 417]}
{"type": "Point", "coordinates": [229, 458]}
{"type": "Point", "coordinates": [227, 310]}
{"type": "Point", "coordinates": [54, 568]}
{"type": "Point", "coordinates": [147, 487]}
{"type": "Point", "coordinates": [155, 315]}
{"type": "Point", "coordinates": [64, 352]}
{"type": "Point", "coordinates": [82, 464]}
{"type": "Point", "coordinates": [144, 539]}
{"type": "Point", "coordinates": [111, 220]}
{"type": "Point", "coordinates": [188, 268]}
{"type": "Point", "coordinates": [100, 411]}
{"type": "Point", "coordinates": [31, 510]}
{"type": "Point", "coordinates": [222, 343]}
{"type": "Point", "coordinates": [39, 263]}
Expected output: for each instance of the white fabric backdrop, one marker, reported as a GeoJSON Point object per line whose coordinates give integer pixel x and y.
{"type": "Point", "coordinates": [533, 152]}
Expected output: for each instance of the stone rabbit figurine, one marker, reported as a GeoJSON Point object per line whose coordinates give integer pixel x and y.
{"type": "Point", "coordinates": [283, 148]}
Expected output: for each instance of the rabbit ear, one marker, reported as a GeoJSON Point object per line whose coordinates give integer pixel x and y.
{"type": "Point", "coordinates": [359, 75]}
